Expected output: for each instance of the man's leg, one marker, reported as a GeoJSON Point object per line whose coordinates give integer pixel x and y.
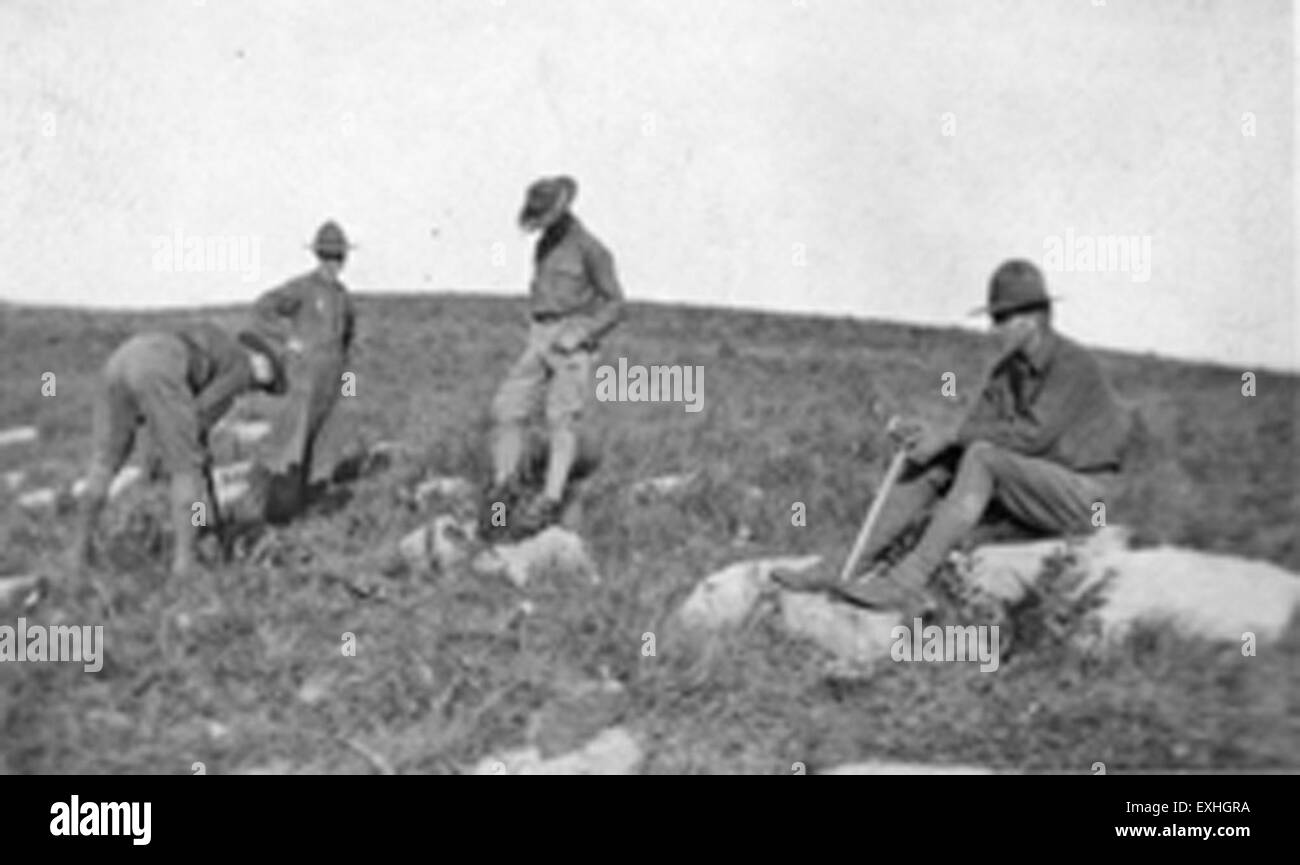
{"type": "Point", "coordinates": [514, 402]}
{"type": "Point", "coordinates": [170, 410]}
{"type": "Point", "coordinates": [954, 517]}
{"type": "Point", "coordinates": [565, 401]}
{"type": "Point", "coordinates": [1045, 495]}
{"type": "Point", "coordinates": [114, 423]}
{"type": "Point", "coordinates": [915, 493]}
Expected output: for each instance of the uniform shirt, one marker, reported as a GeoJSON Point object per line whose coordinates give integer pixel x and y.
{"type": "Point", "coordinates": [218, 370]}
{"type": "Point", "coordinates": [1054, 404]}
{"type": "Point", "coordinates": [314, 307]}
{"type": "Point", "coordinates": [574, 277]}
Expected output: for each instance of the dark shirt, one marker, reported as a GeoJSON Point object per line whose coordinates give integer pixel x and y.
{"type": "Point", "coordinates": [574, 277]}
{"type": "Point", "coordinates": [315, 307]}
{"type": "Point", "coordinates": [1054, 404]}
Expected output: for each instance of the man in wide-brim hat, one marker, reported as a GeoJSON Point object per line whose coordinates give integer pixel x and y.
{"type": "Point", "coordinates": [177, 384]}
{"type": "Point", "coordinates": [575, 300]}
{"type": "Point", "coordinates": [312, 313]}
{"type": "Point", "coordinates": [1044, 441]}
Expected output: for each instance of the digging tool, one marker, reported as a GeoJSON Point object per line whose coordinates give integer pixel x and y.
{"type": "Point", "coordinates": [873, 514]}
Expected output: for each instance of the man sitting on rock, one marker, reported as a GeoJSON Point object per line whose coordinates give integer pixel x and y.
{"type": "Point", "coordinates": [179, 384]}
{"type": "Point", "coordinates": [1044, 441]}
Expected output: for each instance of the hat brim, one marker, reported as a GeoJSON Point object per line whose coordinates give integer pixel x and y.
{"type": "Point", "coordinates": [528, 215]}
{"type": "Point", "coordinates": [989, 309]}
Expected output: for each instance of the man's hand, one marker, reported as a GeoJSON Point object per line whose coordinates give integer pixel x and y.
{"type": "Point", "coordinates": [921, 442]}
{"type": "Point", "coordinates": [570, 340]}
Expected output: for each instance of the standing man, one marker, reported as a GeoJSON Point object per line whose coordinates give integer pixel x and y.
{"type": "Point", "coordinates": [313, 314]}
{"type": "Point", "coordinates": [179, 384]}
{"type": "Point", "coordinates": [1044, 440]}
{"type": "Point", "coordinates": [575, 300]}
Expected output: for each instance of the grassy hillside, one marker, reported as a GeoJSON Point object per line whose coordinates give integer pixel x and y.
{"type": "Point", "coordinates": [242, 669]}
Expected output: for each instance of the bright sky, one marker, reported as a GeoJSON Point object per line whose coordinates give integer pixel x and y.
{"type": "Point", "coordinates": [876, 159]}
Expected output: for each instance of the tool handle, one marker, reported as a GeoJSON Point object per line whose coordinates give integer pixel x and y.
{"type": "Point", "coordinates": [873, 515]}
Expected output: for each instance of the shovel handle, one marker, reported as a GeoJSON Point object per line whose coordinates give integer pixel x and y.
{"type": "Point", "coordinates": [873, 514]}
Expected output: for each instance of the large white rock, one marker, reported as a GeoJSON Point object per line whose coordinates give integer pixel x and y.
{"type": "Point", "coordinates": [851, 633]}
{"type": "Point", "coordinates": [1214, 596]}
{"type": "Point", "coordinates": [613, 752]}
{"type": "Point", "coordinates": [555, 549]}
{"type": "Point", "coordinates": [18, 435]}
{"type": "Point", "coordinates": [724, 598]}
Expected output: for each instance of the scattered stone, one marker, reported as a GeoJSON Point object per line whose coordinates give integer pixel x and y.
{"type": "Point", "coordinates": [873, 768]}
{"type": "Point", "coordinates": [662, 485]}
{"type": "Point", "coordinates": [724, 598]}
{"type": "Point", "coordinates": [124, 480]}
{"type": "Point", "coordinates": [245, 431]}
{"type": "Point", "coordinates": [444, 487]}
{"type": "Point", "coordinates": [19, 591]}
{"type": "Point", "coordinates": [18, 435]}
{"type": "Point", "coordinates": [1214, 596]}
{"type": "Point", "coordinates": [315, 689]}
{"type": "Point", "coordinates": [45, 497]}
{"type": "Point", "coordinates": [442, 544]}
{"type": "Point", "coordinates": [14, 480]}
{"type": "Point", "coordinates": [554, 549]}
{"type": "Point", "coordinates": [613, 752]}
{"type": "Point", "coordinates": [231, 482]}
{"type": "Point", "coordinates": [857, 635]}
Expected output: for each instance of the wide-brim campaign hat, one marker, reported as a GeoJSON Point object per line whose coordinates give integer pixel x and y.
{"type": "Point", "coordinates": [330, 240]}
{"type": "Point", "coordinates": [1015, 286]}
{"type": "Point", "coordinates": [267, 347]}
{"type": "Point", "coordinates": [547, 198]}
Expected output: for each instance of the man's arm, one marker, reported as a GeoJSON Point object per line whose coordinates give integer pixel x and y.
{"type": "Point", "coordinates": [1035, 429]}
{"type": "Point", "coordinates": [215, 400]}
{"type": "Point", "coordinates": [277, 310]}
{"type": "Point", "coordinates": [599, 265]}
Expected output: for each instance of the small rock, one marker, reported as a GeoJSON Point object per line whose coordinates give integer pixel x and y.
{"type": "Point", "coordinates": [850, 633]}
{"type": "Point", "coordinates": [442, 544]}
{"type": "Point", "coordinates": [14, 480]}
{"type": "Point", "coordinates": [555, 549]}
{"type": "Point", "coordinates": [724, 598]}
{"type": "Point", "coordinates": [444, 487]}
{"type": "Point", "coordinates": [19, 591]}
{"type": "Point", "coordinates": [45, 497]}
{"type": "Point", "coordinates": [315, 689]}
{"type": "Point", "coordinates": [872, 768]}
{"type": "Point", "coordinates": [18, 435]}
{"type": "Point", "coordinates": [662, 485]}
{"type": "Point", "coordinates": [124, 480]}
{"type": "Point", "coordinates": [612, 752]}
{"type": "Point", "coordinates": [245, 431]}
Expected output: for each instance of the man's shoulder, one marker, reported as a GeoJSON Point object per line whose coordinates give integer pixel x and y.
{"type": "Point", "coordinates": [587, 241]}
